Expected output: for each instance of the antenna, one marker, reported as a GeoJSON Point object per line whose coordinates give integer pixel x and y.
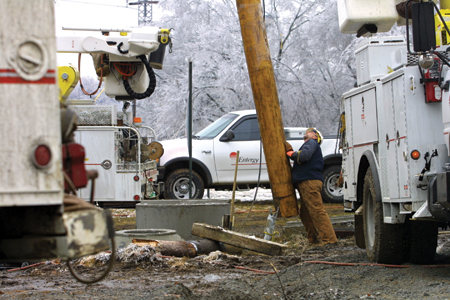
{"type": "Point", "coordinates": [145, 11]}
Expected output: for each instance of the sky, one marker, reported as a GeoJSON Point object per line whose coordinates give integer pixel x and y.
{"type": "Point", "coordinates": [92, 14]}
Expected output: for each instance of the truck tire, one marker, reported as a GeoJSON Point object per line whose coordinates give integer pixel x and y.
{"type": "Point", "coordinates": [331, 193]}
{"type": "Point", "coordinates": [421, 241]}
{"type": "Point", "coordinates": [177, 185]}
{"type": "Point", "coordinates": [384, 242]}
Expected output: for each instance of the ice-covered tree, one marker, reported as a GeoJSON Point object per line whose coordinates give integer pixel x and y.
{"type": "Point", "coordinates": [312, 63]}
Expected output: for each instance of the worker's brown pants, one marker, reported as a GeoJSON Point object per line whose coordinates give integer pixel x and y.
{"type": "Point", "coordinates": [312, 213]}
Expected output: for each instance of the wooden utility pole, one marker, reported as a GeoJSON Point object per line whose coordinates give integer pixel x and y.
{"type": "Point", "coordinates": [265, 95]}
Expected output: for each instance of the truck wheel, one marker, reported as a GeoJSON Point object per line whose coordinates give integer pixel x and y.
{"type": "Point", "coordinates": [331, 192]}
{"type": "Point", "coordinates": [384, 242]}
{"type": "Point", "coordinates": [177, 185]}
{"type": "Point", "coordinates": [421, 241]}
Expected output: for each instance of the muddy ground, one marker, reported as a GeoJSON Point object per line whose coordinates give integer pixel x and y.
{"type": "Point", "coordinates": [302, 272]}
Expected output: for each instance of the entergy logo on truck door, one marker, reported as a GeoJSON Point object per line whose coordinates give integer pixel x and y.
{"type": "Point", "coordinates": [244, 160]}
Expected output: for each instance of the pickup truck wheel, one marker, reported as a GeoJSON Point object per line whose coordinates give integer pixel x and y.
{"type": "Point", "coordinates": [331, 192]}
{"type": "Point", "coordinates": [384, 242]}
{"type": "Point", "coordinates": [177, 185]}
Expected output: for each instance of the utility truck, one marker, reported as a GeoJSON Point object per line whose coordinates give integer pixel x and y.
{"type": "Point", "coordinates": [118, 147]}
{"type": "Point", "coordinates": [214, 151]}
{"type": "Point", "coordinates": [123, 152]}
{"type": "Point", "coordinates": [395, 140]}
{"type": "Point", "coordinates": [41, 218]}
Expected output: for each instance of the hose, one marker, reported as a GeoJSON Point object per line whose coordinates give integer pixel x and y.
{"type": "Point", "coordinates": [81, 83]}
{"type": "Point", "coordinates": [102, 275]}
{"type": "Point", "coordinates": [355, 264]}
{"type": "Point", "coordinates": [151, 84]}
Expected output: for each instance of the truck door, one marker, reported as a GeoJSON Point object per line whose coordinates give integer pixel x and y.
{"type": "Point", "coordinates": [362, 132]}
{"type": "Point", "coordinates": [348, 163]}
{"type": "Point", "coordinates": [395, 113]}
{"type": "Point", "coordinates": [247, 141]}
{"type": "Point", "coordinates": [99, 145]}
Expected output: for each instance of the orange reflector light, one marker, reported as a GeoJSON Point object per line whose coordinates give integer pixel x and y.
{"type": "Point", "coordinates": [136, 197]}
{"type": "Point", "coordinates": [42, 156]}
{"type": "Point", "coordinates": [415, 154]}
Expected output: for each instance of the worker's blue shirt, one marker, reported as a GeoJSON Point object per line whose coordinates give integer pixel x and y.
{"type": "Point", "coordinates": [308, 162]}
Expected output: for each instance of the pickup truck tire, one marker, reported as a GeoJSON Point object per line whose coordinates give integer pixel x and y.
{"type": "Point", "coordinates": [177, 185]}
{"type": "Point", "coordinates": [331, 193]}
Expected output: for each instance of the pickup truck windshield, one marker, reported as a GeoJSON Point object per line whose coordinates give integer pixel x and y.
{"type": "Point", "coordinates": [215, 128]}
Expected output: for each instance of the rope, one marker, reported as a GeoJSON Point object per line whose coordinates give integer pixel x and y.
{"type": "Point", "coordinates": [271, 234]}
{"type": "Point", "coordinates": [123, 68]}
{"type": "Point", "coordinates": [101, 77]}
{"type": "Point", "coordinates": [279, 198]}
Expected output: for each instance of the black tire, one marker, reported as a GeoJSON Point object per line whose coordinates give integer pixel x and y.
{"type": "Point", "coordinates": [331, 192]}
{"type": "Point", "coordinates": [384, 242]}
{"type": "Point", "coordinates": [177, 185]}
{"type": "Point", "coordinates": [422, 239]}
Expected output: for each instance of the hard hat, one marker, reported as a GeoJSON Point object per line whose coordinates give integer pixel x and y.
{"type": "Point", "coordinates": [318, 134]}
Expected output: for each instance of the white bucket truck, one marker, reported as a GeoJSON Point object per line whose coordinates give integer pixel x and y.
{"type": "Point", "coordinates": [396, 138]}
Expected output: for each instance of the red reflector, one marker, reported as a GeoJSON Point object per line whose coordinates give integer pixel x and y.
{"type": "Point", "coordinates": [136, 178]}
{"type": "Point", "coordinates": [137, 198]}
{"type": "Point", "coordinates": [42, 156]}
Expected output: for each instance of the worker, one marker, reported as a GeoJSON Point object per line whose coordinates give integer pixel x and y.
{"type": "Point", "coordinates": [307, 178]}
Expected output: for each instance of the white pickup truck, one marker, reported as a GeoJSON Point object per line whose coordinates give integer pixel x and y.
{"type": "Point", "coordinates": [214, 157]}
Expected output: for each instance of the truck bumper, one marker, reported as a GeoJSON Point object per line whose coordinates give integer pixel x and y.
{"type": "Point", "coordinates": [88, 232]}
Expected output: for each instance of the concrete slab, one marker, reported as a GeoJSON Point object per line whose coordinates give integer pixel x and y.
{"type": "Point", "coordinates": [179, 215]}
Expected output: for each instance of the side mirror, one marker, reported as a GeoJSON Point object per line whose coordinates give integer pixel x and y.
{"type": "Point", "coordinates": [228, 136]}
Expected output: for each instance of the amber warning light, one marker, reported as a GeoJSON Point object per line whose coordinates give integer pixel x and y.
{"type": "Point", "coordinates": [415, 154]}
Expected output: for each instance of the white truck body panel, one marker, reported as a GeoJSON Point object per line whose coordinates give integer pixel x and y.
{"type": "Point", "coordinates": [201, 149]}
{"type": "Point", "coordinates": [376, 57]}
{"type": "Point", "coordinates": [99, 146]}
{"type": "Point", "coordinates": [248, 161]}
{"type": "Point", "coordinates": [403, 122]}
{"type": "Point", "coordinates": [116, 182]}
{"type": "Point", "coordinates": [28, 118]}
{"type": "Point", "coordinates": [353, 14]}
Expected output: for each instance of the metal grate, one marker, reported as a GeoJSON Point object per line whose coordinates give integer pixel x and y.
{"type": "Point", "coordinates": [412, 59]}
{"type": "Point", "coordinates": [93, 115]}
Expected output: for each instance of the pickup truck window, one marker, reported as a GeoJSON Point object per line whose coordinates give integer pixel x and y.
{"type": "Point", "coordinates": [215, 128]}
{"type": "Point", "coordinates": [247, 130]}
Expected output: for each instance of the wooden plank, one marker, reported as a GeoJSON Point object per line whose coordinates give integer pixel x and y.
{"type": "Point", "coordinates": [220, 234]}
{"type": "Point", "coordinates": [267, 105]}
